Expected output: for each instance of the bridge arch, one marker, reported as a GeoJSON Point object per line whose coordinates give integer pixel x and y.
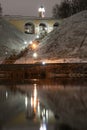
{"type": "Point", "coordinates": [29, 28]}
{"type": "Point", "coordinates": [43, 29]}
{"type": "Point", "coordinates": [55, 25]}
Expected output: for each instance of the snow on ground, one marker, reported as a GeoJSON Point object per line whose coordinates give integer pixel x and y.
{"type": "Point", "coordinates": [67, 43]}
{"type": "Point", "coordinates": [12, 41]}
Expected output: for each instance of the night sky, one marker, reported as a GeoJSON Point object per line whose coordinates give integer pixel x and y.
{"type": "Point", "coordinates": [27, 7]}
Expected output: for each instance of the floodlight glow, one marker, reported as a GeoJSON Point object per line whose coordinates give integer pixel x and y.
{"type": "Point", "coordinates": [37, 36]}
{"type": "Point", "coordinates": [43, 63]}
{"type": "Point", "coordinates": [46, 28]}
{"type": "Point", "coordinates": [25, 42]}
{"type": "Point", "coordinates": [35, 55]}
{"type": "Point", "coordinates": [30, 42]}
{"type": "Point", "coordinates": [34, 46]}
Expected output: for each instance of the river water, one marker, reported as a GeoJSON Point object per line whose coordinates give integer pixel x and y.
{"type": "Point", "coordinates": [44, 104]}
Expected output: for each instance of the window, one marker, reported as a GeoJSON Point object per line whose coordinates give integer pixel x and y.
{"type": "Point", "coordinates": [29, 28]}
{"type": "Point", "coordinates": [42, 30]}
{"type": "Point", "coordinates": [56, 25]}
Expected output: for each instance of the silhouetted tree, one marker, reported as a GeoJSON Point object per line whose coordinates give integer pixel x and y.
{"type": "Point", "coordinates": [82, 5]}
{"type": "Point", "coordinates": [74, 6]}
{"type": "Point", "coordinates": [65, 9]}
{"type": "Point", "coordinates": [78, 5]}
{"type": "Point", "coordinates": [55, 11]}
{"type": "Point", "coordinates": [69, 7]}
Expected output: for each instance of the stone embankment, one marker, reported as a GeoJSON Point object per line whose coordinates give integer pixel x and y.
{"type": "Point", "coordinates": [22, 72]}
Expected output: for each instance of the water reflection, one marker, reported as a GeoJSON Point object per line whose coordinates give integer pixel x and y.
{"type": "Point", "coordinates": [56, 104]}
{"type": "Point", "coordinates": [6, 94]}
{"type": "Point", "coordinates": [35, 109]}
{"type": "Point", "coordinates": [32, 103]}
{"type": "Point", "coordinates": [43, 124]}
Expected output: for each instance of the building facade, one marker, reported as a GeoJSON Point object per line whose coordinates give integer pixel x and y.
{"type": "Point", "coordinates": [33, 25]}
{"type": "Point", "coordinates": [39, 26]}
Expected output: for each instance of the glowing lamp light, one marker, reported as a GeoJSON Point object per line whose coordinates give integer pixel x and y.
{"type": "Point", "coordinates": [35, 55]}
{"type": "Point", "coordinates": [43, 63]}
{"type": "Point", "coordinates": [34, 46]}
{"type": "Point", "coordinates": [30, 42]}
{"type": "Point", "coordinates": [37, 36]}
{"type": "Point", "coordinates": [25, 42]}
{"type": "Point", "coordinates": [46, 28]}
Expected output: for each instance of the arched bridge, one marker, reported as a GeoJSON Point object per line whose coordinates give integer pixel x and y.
{"type": "Point", "coordinates": [33, 25]}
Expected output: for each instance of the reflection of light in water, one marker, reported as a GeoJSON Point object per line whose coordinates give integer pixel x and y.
{"type": "Point", "coordinates": [31, 101]}
{"type": "Point", "coordinates": [6, 94]}
{"type": "Point", "coordinates": [35, 97]}
{"type": "Point", "coordinates": [35, 91]}
{"type": "Point", "coordinates": [38, 108]}
{"type": "Point", "coordinates": [43, 113]}
{"type": "Point", "coordinates": [44, 120]}
{"type": "Point", "coordinates": [43, 126]}
{"type": "Point", "coordinates": [47, 114]}
{"type": "Point", "coordinates": [26, 101]}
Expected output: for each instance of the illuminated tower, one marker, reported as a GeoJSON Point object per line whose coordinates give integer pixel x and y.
{"type": "Point", "coordinates": [41, 12]}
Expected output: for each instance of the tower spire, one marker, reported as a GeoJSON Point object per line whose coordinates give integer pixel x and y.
{"type": "Point", "coordinates": [41, 12]}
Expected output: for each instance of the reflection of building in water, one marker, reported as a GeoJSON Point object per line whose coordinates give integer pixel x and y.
{"type": "Point", "coordinates": [35, 109]}
{"type": "Point", "coordinates": [32, 104]}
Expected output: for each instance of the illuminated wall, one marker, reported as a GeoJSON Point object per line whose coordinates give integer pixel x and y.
{"type": "Point", "coordinates": [19, 22]}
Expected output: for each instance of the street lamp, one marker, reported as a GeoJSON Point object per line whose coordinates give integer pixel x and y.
{"type": "Point", "coordinates": [43, 63]}
{"type": "Point", "coordinates": [30, 42]}
{"type": "Point", "coordinates": [37, 36]}
{"type": "Point", "coordinates": [35, 55]}
{"type": "Point", "coordinates": [25, 42]}
{"type": "Point", "coordinates": [34, 46]}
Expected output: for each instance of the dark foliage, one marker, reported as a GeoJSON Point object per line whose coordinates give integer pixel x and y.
{"type": "Point", "coordinates": [55, 11]}
{"type": "Point", "coordinates": [68, 8]}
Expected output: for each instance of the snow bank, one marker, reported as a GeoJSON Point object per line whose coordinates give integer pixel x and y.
{"type": "Point", "coordinates": [68, 42]}
{"type": "Point", "coordinates": [11, 40]}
